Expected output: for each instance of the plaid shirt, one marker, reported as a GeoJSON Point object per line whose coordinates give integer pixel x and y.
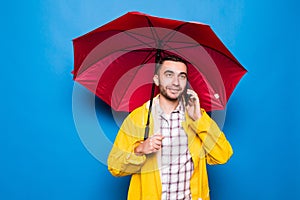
{"type": "Point", "coordinates": [175, 161]}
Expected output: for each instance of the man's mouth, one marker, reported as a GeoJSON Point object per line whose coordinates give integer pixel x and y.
{"type": "Point", "coordinates": [174, 90]}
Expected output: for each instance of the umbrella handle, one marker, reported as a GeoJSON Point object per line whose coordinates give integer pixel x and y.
{"type": "Point", "coordinates": [146, 135]}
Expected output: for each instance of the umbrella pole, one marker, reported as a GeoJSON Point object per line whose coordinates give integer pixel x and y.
{"type": "Point", "coordinates": [157, 59]}
{"type": "Point", "coordinates": [149, 113]}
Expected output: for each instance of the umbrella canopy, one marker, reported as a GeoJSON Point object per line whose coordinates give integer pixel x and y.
{"type": "Point", "coordinates": [117, 60]}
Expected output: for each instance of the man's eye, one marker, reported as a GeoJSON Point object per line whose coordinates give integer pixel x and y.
{"type": "Point", "coordinates": [169, 75]}
{"type": "Point", "coordinates": [183, 76]}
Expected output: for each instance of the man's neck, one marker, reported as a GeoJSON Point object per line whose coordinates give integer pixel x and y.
{"type": "Point", "coordinates": [167, 105]}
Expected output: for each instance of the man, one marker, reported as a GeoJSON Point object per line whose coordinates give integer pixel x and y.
{"type": "Point", "coordinates": [171, 163]}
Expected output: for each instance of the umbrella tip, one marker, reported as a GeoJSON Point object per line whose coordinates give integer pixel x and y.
{"type": "Point", "coordinates": [136, 13]}
{"type": "Point", "coordinates": [216, 95]}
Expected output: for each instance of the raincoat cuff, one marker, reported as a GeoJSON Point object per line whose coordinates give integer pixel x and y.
{"type": "Point", "coordinates": [132, 158]}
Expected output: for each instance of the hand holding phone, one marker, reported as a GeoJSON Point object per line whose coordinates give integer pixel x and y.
{"type": "Point", "coordinates": [192, 104]}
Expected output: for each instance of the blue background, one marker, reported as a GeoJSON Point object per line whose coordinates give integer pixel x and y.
{"type": "Point", "coordinates": [41, 153]}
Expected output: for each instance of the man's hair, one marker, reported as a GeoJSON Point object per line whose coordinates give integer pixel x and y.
{"type": "Point", "coordinates": [170, 58]}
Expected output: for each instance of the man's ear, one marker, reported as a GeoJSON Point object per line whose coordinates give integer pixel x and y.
{"type": "Point", "coordinates": [155, 80]}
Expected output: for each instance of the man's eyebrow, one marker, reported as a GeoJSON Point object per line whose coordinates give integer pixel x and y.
{"type": "Point", "coordinates": [183, 73]}
{"type": "Point", "coordinates": [169, 71]}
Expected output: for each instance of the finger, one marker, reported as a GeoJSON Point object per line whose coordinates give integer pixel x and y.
{"type": "Point", "coordinates": [155, 143]}
{"type": "Point", "coordinates": [158, 140]}
{"type": "Point", "coordinates": [192, 103]}
{"type": "Point", "coordinates": [151, 142]}
{"type": "Point", "coordinates": [158, 137]}
{"type": "Point", "coordinates": [193, 94]}
{"type": "Point", "coordinates": [157, 147]}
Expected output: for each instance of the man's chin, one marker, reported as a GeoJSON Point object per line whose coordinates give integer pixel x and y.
{"type": "Point", "coordinates": [172, 97]}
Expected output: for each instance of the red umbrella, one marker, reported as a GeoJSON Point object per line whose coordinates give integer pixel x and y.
{"type": "Point", "coordinates": [117, 60]}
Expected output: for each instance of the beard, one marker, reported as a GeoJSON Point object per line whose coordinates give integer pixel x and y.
{"type": "Point", "coordinates": [164, 93]}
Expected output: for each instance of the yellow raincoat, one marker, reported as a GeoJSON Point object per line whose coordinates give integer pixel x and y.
{"type": "Point", "coordinates": [207, 144]}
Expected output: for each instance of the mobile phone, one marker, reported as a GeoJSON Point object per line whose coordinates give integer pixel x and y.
{"type": "Point", "coordinates": [186, 96]}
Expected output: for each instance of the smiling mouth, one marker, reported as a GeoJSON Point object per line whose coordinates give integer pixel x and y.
{"type": "Point", "coordinates": [173, 90]}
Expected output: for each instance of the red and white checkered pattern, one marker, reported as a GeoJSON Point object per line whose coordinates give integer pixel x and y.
{"type": "Point", "coordinates": [176, 163]}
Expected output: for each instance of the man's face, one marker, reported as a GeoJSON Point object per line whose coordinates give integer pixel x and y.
{"type": "Point", "coordinates": [171, 79]}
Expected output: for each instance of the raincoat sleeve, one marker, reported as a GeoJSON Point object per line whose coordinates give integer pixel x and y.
{"type": "Point", "coordinates": [216, 147]}
{"type": "Point", "coordinates": [122, 160]}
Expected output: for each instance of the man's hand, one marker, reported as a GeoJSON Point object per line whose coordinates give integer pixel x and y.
{"type": "Point", "coordinates": [193, 105]}
{"type": "Point", "coordinates": [151, 145]}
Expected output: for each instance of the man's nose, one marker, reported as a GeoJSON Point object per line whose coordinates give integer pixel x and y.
{"type": "Point", "coordinates": [175, 80]}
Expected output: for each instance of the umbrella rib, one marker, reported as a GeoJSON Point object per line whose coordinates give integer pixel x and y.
{"type": "Point", "coordinates": [131, 35]}
{"type": "Point", "coordinates": [154, 33]}
{"type": "Point", "coordinates": [206, 46]}
{"type": "Point", "coordinates": [234, 60]}
{"type": "Point", "coordinates": [133, 48]}
{"type": "Point", "coordinates": [128, 31]}
{"type": "Point", "coordinates": [216, 50]}
{"type": "Point", "coordinates": [147, 58]}
{"type": "Point", "coordinates": [173, 33]}
{"type": "Point", "coordinates": [185, 47]}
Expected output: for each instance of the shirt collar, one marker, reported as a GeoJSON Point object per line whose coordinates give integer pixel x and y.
{"type": "Point", "coordinates": [178, 109]}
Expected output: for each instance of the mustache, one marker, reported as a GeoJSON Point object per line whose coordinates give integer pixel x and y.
{"type": "Point", "coordinates": [174, 88]}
